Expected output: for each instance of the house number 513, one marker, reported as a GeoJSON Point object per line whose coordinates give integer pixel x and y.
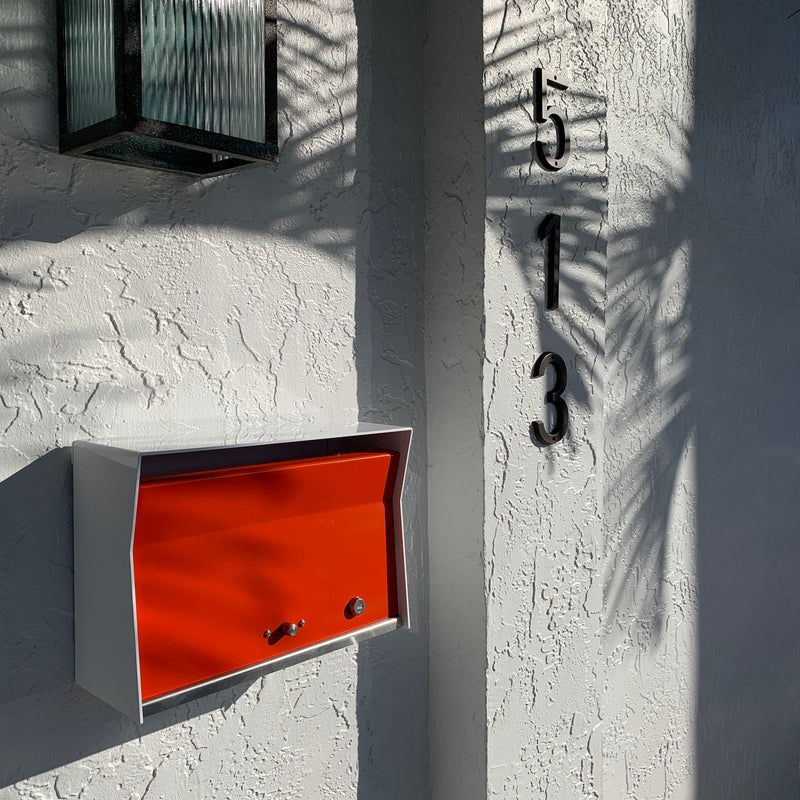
{"type": "Point", "coordinates": [550, 234]}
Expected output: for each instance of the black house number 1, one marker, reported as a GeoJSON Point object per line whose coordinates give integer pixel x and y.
{"type": "Point", "coordinates": [550, 234]}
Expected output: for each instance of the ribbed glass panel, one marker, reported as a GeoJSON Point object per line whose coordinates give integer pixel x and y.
{"type": "Point", "coordinates": [89, 51]}
{"type": "Point", "coordinates": [203, 65]}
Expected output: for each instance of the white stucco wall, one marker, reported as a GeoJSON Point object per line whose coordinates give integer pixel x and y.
{"type": "Point", "coordinates": [743, 347]}
{"type": "Point", "coordinates": [543, 504]}
{"type": "Point", "coordinates": [136, 303]}
{"type": "Point", "coordinates": [612, 616]}
{"type": "Point", "coordinates": [650, 579]}
{"type": "Point", "coordinates": [695, 692]}
{"type": "Point", "coordinates": [701, 517]}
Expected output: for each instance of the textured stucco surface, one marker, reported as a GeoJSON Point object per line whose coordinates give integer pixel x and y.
{"type": "Point", "coordinates": [614, 616]}
{"type": "Point", "coordinates": [140, 304]}
{"type": "Point", "coordinates": [543, 504]}
{"type": "Point", "coordinates": [744, 348]}
{"type": "Point", "coordinates": [701, 511]}
{"type": "Point", "coordinates": [651, 597]}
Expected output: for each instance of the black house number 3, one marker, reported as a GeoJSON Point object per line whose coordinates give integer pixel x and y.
{"type": "Point", "coordinates": [550, 234]}
{"type": "Point", "coordinates": [553, 397]}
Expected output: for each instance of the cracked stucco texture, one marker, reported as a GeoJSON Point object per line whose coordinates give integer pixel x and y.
{"type": "Point", "coordinates": [701, 637]}
{"type": "Point", "coordinates": [138, 304]}
{"type": "Point", "coordinates": [650, 658]}
{"type": "Point", "coordinates": [543, 504]}
{"type": "Point", "coordinates": [614, 616]}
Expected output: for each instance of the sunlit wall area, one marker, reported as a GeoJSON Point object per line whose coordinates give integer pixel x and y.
{"type": "Point", "coordinates": [543, 503]}
{"type": "Point", "coordinates": [650, 495]}
{"type": "Point", "coordinates": [611, 612]}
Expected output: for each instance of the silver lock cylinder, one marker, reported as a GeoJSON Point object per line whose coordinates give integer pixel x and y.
{"type": "Point", "coordinates": [357, 606]}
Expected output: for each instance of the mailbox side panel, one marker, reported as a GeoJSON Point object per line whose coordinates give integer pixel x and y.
{"type": "Point", "coordinates": [397, 440]}
{"type": "Point", "coordinates": [106, 661]}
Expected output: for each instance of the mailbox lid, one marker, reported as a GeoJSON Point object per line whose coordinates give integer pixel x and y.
{"type": "Point", "coordinates": [222, 556]}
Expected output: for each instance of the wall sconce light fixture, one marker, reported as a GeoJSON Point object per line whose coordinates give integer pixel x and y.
{"type": "Point", "coordinates": [182, 85]}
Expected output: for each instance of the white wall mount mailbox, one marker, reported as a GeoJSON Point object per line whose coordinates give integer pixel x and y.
{"type": "Point", "coordinates": [201, 567]}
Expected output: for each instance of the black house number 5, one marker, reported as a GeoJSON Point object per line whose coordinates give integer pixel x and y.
{"type": "Point", "coordinates": [544, 113]}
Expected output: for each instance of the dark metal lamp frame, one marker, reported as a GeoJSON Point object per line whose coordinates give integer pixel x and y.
{"type": "Point", "coordinates": [131, 138]}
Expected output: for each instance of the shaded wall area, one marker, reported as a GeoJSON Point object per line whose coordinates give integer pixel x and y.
{"type": "Point", "coordinates": [389, 358]}
{"type": "Point", "coordinates": [455, 198]}
{"type": "Point", "coordinates": [745, 352]}
{"type": "Point", "coordinates": [649, 497]}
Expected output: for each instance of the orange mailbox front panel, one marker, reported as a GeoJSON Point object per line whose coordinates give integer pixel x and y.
{"type": "Point", "coordinates": [236, 566]}
{"type": "Point", "coordinates": [198, 567]}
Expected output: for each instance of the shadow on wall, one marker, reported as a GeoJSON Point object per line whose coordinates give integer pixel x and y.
{"type": "Point", "coordinates": [745, 349]}
{"type": "Point", "coordinates": [342, 188]}
{"type": "Point", "coordinates": [701, 346]}
{"type": "Point", "coordinates": [649, 384]}
{"type": "Point", "coordinates": [311, 204]}
{"type": "Point", "coordinates": [47, 721]}
{"type": "Point", "coordinates": [48, 197]}
{"type": "Point", "coordinates": [521, 193]}
{"type": "Point", "coordinates": [701, 352]}
{"type": "Point", "coordinates": [646, 309]}
{"type": "Point", "coordinates": [637, 383]}
{"type": "Point", "coordinates": [392, 670]}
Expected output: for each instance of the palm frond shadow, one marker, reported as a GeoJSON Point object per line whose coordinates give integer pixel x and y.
{"type": "Point", "coordinates": [317, 195]}
{"type": "Point", "coordinates": [649, 372]}
{"type": "Point", "coordinates": [640, 272]}
{"type": "Point", "coordinates": [47, 197]}
{"type": "Point", "coordinates": [322, 199]}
